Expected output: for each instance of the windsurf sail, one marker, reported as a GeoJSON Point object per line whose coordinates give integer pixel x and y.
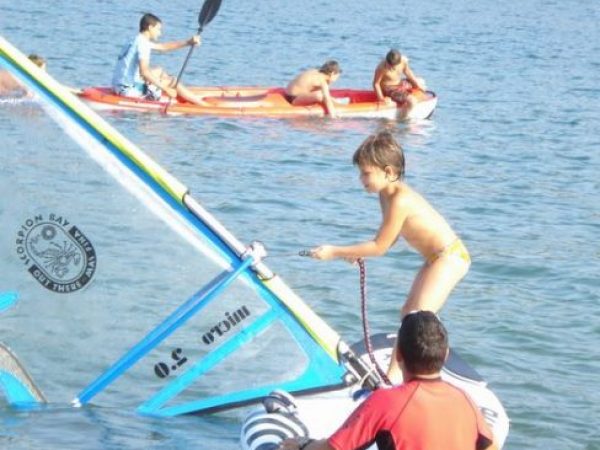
{"type": "Point", "coordinates": [131, 293]}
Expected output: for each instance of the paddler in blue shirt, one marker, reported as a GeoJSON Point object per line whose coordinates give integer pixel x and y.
{"type": "Point", "coordinates": [133, 76]}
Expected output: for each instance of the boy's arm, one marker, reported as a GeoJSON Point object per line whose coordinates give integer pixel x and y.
{"type": "Point", "coordinates": [176, 45]}
{"type": "Point", "coordinates": [390, 229]}
{"type": "Point", "coordinates": [377, 84]}
{"type": "Point", "coordinates": [394, 217]}
{"type": "Point", "coordinates": [327, 99]}
{"type": "Point", "coordinates": [410, 76]}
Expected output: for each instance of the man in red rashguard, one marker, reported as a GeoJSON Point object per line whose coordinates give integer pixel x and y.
{"type": "Point", "coordinates": [423, 413]}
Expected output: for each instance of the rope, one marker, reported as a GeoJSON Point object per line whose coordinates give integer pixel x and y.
{"type": "Point", "coordinates": [365, 322]}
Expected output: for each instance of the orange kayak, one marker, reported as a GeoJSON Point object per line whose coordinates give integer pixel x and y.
{"type": "Point", "coordinates": [266, 102]}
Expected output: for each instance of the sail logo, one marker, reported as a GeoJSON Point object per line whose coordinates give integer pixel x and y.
{"type": "Point", "coordinates": [56, 253]}
{"type": "Point", "coordinates": [223, 326]}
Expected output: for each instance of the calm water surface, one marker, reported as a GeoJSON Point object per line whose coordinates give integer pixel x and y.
{"type": "Point", "coordinates": [511, 158]}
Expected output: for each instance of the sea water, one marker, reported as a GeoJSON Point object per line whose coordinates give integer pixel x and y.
{"type": "Point", "coordinates": [511, 158]}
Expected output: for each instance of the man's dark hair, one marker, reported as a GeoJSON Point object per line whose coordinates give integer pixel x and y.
{"type": "Point", "coordinates": [330, 67]}
{"type": "Point", "coordinates": [422, 343]}
{"type": "Point", "coordinates": [393, 57]}
{"type": "Point", "coordinates": [147, 21]}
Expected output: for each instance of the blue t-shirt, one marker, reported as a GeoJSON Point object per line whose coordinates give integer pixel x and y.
{"type": "Point", "coordinates": [127, 70]}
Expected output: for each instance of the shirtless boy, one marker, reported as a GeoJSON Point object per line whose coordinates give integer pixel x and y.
{"type": "Point", "coordinates": [405, 214]}
{"type": "Point", "coordinates": [312, 86]}
{"type": "Point", "coordinates": [393, 79]}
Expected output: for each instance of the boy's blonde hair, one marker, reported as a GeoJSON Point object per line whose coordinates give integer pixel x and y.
{"type": "Point", "coordinates": [380, 150]}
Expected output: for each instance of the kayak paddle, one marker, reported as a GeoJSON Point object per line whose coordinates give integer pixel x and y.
{"type": "Point", "coordinates": [207, 14]}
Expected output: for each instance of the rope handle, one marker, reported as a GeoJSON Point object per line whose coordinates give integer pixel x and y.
{"type": "Point", "coordinates": [365, 322]}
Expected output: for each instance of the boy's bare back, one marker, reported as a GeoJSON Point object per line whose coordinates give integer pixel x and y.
{"type": "Point", "coordinates": [422, 226]}
{"type": "Point", "coordinates": [306, 82]}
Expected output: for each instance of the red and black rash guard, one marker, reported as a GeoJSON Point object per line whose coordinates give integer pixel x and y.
{"type": "Point", "coordinates": [418, 415]}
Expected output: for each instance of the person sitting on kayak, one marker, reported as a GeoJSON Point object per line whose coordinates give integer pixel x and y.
{"type": "Point", "coordinates": [394, 79]}
{"type": "Point", "coordinates": [10, 86]}
{"type": "Point", "coordinates": [133, 76]}
{"type": "Point", "coordinates": [425, 412]}
{"type": "Point", "coordinates": [312, 86]}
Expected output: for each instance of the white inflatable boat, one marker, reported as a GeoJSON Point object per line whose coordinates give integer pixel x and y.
{"type": "Point", "coordinates": [318, 415]}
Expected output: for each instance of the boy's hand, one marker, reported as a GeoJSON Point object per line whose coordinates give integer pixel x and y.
{"type": "Point", "coordinates": [195, 40]}
{"type": "Point", "coordinates": [323, 252]}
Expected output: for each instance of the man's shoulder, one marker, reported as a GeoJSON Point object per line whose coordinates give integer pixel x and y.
{"type": "Point", "coordinates": [395, 392]}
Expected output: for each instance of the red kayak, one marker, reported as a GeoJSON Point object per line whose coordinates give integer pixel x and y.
{"type": "Point", "coordinates": [266, 102]}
